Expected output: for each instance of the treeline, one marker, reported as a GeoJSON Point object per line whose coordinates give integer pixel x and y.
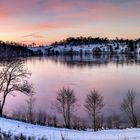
{"type": "Point", "coordinates": [81, 41]}
{"type": "Point", "coordinates": [91, 40]}
{"type": "Point", "coordinates": [12, 49]}
{"type": "Point", "coordinates": [66, 105]}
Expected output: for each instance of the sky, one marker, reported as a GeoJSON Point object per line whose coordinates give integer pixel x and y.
{"type": "Point", "coordinates": [46, 21]}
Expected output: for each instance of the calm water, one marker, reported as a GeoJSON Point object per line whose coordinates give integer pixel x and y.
{"type": "Point", "coordinates": [112, 76]}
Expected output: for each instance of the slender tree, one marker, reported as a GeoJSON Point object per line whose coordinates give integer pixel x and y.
{"type": "Point", "coordinates": [41, 117]}
{"type": "Point", "coordinates": [66, 101]}
{"type": "Point", "coordinates": [30, 108]}
{"type": "Point", "coordinates": [128, 106]}
{"type": "Point", "coordinates": [94, 104]}
{"type": "Point", "coordinates": [13, 79]}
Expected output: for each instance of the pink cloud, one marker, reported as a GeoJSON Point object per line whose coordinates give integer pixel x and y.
{"type": "Point", "coordinates": [12, 8]}
{"type": "Point", "coordinates": [3, 14]}
{"type": "Point", "coordinates": [53, 15]}
{"type": "Point", "coordinates": [56, 6]}
{"type": "Point", "coordinates": [36, 27]}
{"type": "Point", "coordinates": [70, 10]}
{"type": "Point", "coordinates": [103, 12]}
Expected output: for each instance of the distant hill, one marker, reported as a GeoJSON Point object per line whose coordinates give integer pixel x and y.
{"type": "Point", "coordinates": [78, 45]}
{"type": "Point", "coordinates": [89, 45]}
{"type": "Point", "coordinates": [11, 49]}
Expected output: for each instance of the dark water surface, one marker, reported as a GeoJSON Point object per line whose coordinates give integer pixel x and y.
{"type": "Point", "coordinates": [112, 76]}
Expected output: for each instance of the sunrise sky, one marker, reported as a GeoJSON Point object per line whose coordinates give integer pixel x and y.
{"type": "Point", "coordinates": [46, 21]}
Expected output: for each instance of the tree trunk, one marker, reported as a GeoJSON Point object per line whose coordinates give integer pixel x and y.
{"type": "Point", "coordinates": [94, 123]}
{"type": "Point", "coordinates": [2, 105]}
{"type": "Point", "coordinates": [1, 112]}
{"type": "Point", "coordinates": [68, 115]}
{"type": "Point", "coordinates": [135, 123]}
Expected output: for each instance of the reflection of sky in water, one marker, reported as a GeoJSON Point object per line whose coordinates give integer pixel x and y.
{"type": "Point", "coordinates": [49, 75]}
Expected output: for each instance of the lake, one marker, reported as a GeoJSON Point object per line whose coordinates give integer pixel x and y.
{"type": "Point", "coordinates": [112, 76]}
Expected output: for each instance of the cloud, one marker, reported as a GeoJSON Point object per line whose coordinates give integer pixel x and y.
{"type": "Point", "coordinates": [34, 35]}
{"type": "Point", "coordinates": [34, 18]}
{"type": "Point", "coordinates": [3, 14]}
{"type": "Point", "coordinates": [15, 7]}
{"type": "Point", "coordinates": [91, 9]}
{"type": "Point", "coordinates": [54, 10]}
{"type": "Point", "coordinates": [122, 1]}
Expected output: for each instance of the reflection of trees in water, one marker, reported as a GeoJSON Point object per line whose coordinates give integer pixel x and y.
{"type": "Point", "coordinates": [95, 60]}
{"type": "Point", "coordinates": [86, 60]}
{"type": "Point", "coordinates": [82, 61]}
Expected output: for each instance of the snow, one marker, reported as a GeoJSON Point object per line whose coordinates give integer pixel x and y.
{"type": "Point", "coordinates": [16, 128]}
{"type": "Point", "coordinates": [138, 50]}
{"type": "Point", "coordinates": [85, 49]}
{"type": "Point", "coordinates": [39, 49]}
{"type": "Point", "coordinates": [117, 48]}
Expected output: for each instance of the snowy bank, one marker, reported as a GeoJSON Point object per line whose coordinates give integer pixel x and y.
{"type": "Point", "coordinates": [16, 128]}
{"type": "Point", "coordinates": [81, 49]}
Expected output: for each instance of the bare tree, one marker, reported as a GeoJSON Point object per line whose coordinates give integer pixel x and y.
{"type": "Point", "coordinates": [128, 105]}
{"type": "Point", "coordinates": [49, 120]}
{"type": "Point", "coordinates": [54, 120]}
{"type": "Point", "coordinates": [83, 124]}
{"type": "Point", "coordinates": [76, 122]}
{"type": "Point", "coordinates": [100, 122]}
{"type": "Point", "coordinates": [41, 117]}
{"type": "Point", "coordinates": [109, 122]}
{"type": "Point", "coordinates": [20, 115]}
{"type": "Point", "coordinates": [13, 78]}
{"type": "Point", "coordinates": [66, 101]}
{"type": "Point", "coordinates": [113, 120]}
{"type": "Point", "coordinates": [93, 105]}
{"type": "Point", "coordinates": [30, 108]}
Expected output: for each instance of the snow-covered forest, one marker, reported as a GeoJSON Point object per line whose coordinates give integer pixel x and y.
{"type": "Point", "coordinates": [89, 45]}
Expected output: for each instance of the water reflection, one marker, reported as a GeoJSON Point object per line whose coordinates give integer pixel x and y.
{"type": "Point", "coordinates": [92, 60]}
{"type": "Point", "coordinates": [111, 75]}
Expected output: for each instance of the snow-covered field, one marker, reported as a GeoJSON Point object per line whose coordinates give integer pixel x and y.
{"type": "Point", "coordinates": [16, 128]}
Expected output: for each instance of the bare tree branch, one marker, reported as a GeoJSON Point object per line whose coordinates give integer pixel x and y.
{"type": "Point", "coordinates": [93, 105]}
{"type": "Point", "coordinates": [127, 106]}
{"type": "Point", "coordinates": [66, 101]}
{"type": "Point", "coordinates": [13, 78]}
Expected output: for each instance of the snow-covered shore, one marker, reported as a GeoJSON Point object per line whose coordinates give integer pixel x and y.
{"type": "Point", "coordinates": [16, 128]}
{"type": "Point", "coordinates": [105, 48]}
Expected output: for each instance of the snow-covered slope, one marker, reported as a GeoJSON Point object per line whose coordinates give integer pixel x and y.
{"type": "Point", "coordinates": [39, 50]}
{"type": "Point", "coordinates": [81, 49]}
{"type": "Point", "coordinates": [16, 127]}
